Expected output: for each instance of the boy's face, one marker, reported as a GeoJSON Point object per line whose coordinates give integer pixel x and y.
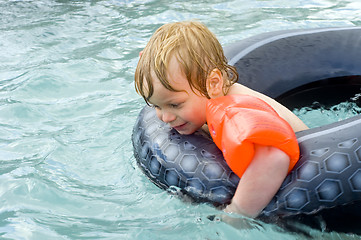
{"type": "Point", "coordinates": [184, 111]}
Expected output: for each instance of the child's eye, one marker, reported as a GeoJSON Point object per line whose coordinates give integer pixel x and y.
{"type": "Point", "coordinates": [174, 105]}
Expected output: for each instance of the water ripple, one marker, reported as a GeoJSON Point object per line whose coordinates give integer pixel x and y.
{"type": "Point", "coordinates": [68, 104]}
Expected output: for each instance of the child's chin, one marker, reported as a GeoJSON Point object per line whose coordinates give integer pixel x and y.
{"type": "Point", "coordinates": [185, 132]}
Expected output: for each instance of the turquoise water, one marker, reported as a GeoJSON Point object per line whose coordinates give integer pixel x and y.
{"type": "Point", "coordinates": [319, 114]}
{"type": "Point", "coordinates": [67, 107]}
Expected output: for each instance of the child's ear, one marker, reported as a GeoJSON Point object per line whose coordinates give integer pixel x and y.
{"type": "Point", "coordinates": [215, 84]}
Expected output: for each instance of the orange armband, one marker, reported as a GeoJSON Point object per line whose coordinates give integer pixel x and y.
{"type": "Point", "coordinates": [237, 122]}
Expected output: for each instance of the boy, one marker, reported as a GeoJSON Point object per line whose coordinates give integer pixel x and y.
{"type": "Point", "coordinates": [180, 69]}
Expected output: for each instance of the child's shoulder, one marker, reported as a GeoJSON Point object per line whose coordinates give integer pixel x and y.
{"type": "Point", "coordinates": [285, 113]}
{"type": "Point", "coordinates": [239, 89]}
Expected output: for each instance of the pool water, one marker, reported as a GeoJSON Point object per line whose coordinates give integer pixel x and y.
{"type": "Point", "coordinates": [318, 114]}
{"type": "Point", "coordinates": [68, 105]}
{"type": "Point", "coordinates": [325, 101]}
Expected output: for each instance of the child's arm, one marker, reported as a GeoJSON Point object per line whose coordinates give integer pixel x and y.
{"type": "Point", "coordinates": [258, 145]}
{"type": "Point", "coordinates": [260, 181]}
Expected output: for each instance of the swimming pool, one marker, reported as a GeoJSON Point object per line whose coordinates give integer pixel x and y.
{"type": "Point", "coordinates": [68, 106]}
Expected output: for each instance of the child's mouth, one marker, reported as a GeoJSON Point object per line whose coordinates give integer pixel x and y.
{"type": "Point", "coordinates": [180, 127]}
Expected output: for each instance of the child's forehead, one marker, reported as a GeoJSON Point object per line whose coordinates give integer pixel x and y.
{"type": "Point", "coordinates": [175, 72]}
{"type": "Point", "coordinates": [170, 72]}
{"type": "Point", "coordinates": [173, 78]}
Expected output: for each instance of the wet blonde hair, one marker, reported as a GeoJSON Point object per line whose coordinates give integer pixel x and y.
{"type": "Point", "coordinates": [197, 50]}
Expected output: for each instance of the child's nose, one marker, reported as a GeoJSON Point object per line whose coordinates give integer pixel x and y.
{"type": "Point", "coordinates": [166, 116]}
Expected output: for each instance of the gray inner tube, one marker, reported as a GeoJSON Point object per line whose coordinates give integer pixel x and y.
{"type": "Point", "coordinates": [328, 173]}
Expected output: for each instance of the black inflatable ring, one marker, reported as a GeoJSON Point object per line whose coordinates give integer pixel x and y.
{"type": "Point", "coordinates": [328, 173]}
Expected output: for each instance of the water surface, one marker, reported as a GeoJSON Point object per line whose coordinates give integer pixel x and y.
{"type": "Point", "coordinates": [67, 107]}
